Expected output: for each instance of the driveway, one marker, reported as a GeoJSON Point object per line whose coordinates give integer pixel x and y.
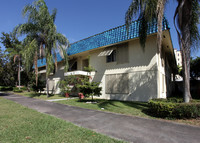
{"type": "Point", "coordinates": [128, 128]}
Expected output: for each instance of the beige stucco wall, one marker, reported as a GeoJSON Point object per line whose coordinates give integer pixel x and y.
{"type": "Point", "coordinates": [142, 70]}
{"type": "Point", "coordinates": [55, 78]}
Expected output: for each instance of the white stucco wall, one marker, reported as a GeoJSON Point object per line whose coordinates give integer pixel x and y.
{"type": "Point", "coordinates": [142, 70]}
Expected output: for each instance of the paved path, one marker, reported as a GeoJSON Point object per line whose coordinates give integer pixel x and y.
{"type": "Point", "coordinates": [53, 100]}
{"type": "Point", "coordinates": [128, 128]}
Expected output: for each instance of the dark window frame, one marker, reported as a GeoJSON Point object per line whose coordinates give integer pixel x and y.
{"type": "Point", "coordinates": [112, 57]}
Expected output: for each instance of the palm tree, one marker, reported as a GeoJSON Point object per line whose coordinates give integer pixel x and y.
{"type": "Point", "coordinates": [42, 37]}
{"type": "Point", "coordinates": [16, 52]}
{"type": "Point", "coordinates": [186, 20]}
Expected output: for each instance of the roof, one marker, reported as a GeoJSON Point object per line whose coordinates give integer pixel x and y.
{"type": "Point", "coordinates": [112, 36]}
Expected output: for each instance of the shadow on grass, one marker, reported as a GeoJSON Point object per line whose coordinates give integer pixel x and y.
{"type": "Point", "coordinates": [4, 94]}
{"type": "Point", "coordinates": [109, 104]}
{"type": "Point", "coordinates": [32, 95]}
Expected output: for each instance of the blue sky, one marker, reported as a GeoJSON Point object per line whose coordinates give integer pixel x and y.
{"type": "Point", "coordinates": [79, 19]}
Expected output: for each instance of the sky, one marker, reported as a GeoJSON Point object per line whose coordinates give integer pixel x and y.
{"type": "Point", "coordinates": [79, 19]}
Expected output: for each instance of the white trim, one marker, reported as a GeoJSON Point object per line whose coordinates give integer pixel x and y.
{"type": "Point", "coordinates": [42, 71]}
{"type": "Point", "coordinates": [76, 73]}
{"type": "Point", "coordinates": [106, 53]}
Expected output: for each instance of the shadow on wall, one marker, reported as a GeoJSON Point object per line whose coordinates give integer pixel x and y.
{"type": "Point", "coordinates": [139, 86]}
{"type": "Point", "coordinates": [144, 84]}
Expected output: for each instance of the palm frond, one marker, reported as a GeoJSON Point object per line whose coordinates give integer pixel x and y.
{"type": "Point", "coordinates": [53, 15]}
{"type": "Point", "coordinates": [146, 11]}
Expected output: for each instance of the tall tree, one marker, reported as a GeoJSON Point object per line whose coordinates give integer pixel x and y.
{"type": "Point", "coordinates": [186, 20]}
{"type": "Point", "coordinates": [16, 54]}
{"type": "Point", "coordinates": [42, 37]}
{"type": "Point", "coordinates": [13, 51]}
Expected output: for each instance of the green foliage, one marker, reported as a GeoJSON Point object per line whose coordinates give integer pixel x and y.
{"type": "Point", "coordinates": [174, 108]}
{"type": "Point", "coordinates": [161, 108]}
{"type": "Point", "coordinates": [64, 86]}
{"type": "Point", "coordinates": [37, 88]}
{"type": "Point", "coordinates": [8, 68]}
{"type": "Point", "coordinates": [16, 89]}
{"type": "Point", "coordinates": [194, 30]}
{"type": "Point", "coordinates": [89, 88]}
{"type": "Point", "coordinates": [195, 68]}
{"type": "Point", "coordinates": [89, 68]}
{"type": "Point", "coordinates": [6, 88]}
{"type": "Point", "coordinates": [69, 82]}
{"type": "Point", "coordinates": [42, 35]}
{"type": "Point", "coordinates": [146, 10]}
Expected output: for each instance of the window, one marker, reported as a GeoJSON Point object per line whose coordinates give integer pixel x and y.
{"type": "Point", "coordinates": [111, 57]}
{"type": "Point", "coordinates": [72, 65]}
{"type": "Point", "coordinates": [117, 83]}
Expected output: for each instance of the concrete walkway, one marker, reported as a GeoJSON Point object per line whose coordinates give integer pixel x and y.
{"type": "Point", "coordinates": [128, 128]}
{"type": "Point", "coordinates": [53, 100]}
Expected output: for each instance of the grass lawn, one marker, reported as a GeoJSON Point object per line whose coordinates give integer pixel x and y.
{"type": "Point", "coordinates": [128, 108]}
{"type": "Point", "coordinates": [122, 107]}
{"type": "Point", "coordinates": [19, 124]}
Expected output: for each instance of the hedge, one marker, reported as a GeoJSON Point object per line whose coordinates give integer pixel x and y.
{"type": "Point", "coordinates": [174, 108]}
{"type": "Point", "coordinates": [6, 88]}
{"type": "Point", "coordinates": [16, 89]}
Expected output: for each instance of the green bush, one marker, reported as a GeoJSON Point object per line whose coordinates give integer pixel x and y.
{"type": "Point", "coordinates": [161, 108]}
{"type": "Point", "coordinates": [6, 88]}
{"type": "Point", "coordinates": [89, 88]}
{"type": "Point", "coordinates": [16, 89]}
{"type": "Point", "coordinates": [70, 83]}
{"type": "Point", "coordinates": [187, 110]}
{"type": "Point", "coordinates": [174, 108]}
{"type": "Point", "coordinates": [23, 88]}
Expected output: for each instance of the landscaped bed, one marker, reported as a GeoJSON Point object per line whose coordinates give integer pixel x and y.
{"type": "Point", "coordinates": [20, 124]}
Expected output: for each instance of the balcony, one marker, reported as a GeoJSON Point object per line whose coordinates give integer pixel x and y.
{"type": "Point", "coordinates": [78, 72]}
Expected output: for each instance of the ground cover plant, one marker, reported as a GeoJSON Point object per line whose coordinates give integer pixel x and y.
{"type": "Point", "coordinates": [20, 124]}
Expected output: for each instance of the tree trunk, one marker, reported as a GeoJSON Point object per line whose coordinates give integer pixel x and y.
{"type": "Point", "coordinates": [47, 81]}
{"type": "Point", "coordinates": [36, 67]}
{"type": "Point", "coordinates": [19, 75]}
{"type": "Point", "coordinates": [185, 49]}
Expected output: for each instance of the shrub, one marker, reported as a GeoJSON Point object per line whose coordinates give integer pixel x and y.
{"type": "Point", "coordinates": [70, 82]}
{"type": "Point", "coordinates": [173, 108]}
{"type": "Point", "coordinates": [16, 89]}
{"type": "Point", "coordinates": [23, 88]}
{"type": "Point", "coordinates": [187, 110]}
{"type": "Point", "coordinates": [161, 108]}
{"type": "Point", "coordinates": [89, 88]}
{"type": "Point", "coordinates": [6, 88]}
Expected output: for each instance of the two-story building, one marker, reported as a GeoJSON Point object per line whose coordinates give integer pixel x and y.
{"type": "Point", "coordinates": [126, 70]}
